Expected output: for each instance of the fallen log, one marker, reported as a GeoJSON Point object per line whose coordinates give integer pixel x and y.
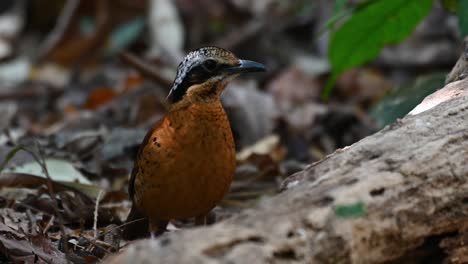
{"type": "Point", "coordinates": [398, 196]}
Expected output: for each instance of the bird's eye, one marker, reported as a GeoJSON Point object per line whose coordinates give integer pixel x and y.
{"type": "Point", "coordinates": [210, 65]}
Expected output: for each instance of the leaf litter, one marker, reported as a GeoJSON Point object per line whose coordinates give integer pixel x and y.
{"type": "Point", "coordinates": [76, 106]}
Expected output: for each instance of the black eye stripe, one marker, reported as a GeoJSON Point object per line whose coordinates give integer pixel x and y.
{"type": "Point", "coordinates": [200, 74]}
{"type": "Point", "coordinates": [210, 65]}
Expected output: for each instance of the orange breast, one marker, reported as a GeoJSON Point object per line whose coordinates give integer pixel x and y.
{"type": "Point", "coordinates": [187, 164]}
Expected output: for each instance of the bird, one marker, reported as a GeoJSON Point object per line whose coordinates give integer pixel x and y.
{"type": "Point", "coordinates": [186, 162]}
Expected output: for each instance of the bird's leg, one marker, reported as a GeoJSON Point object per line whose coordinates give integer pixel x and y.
{"type": "Point", "coordinates": [157, 227]}
{"type": "Point", "coordinates": [205, 219]}
{"type": "Point", "coordinates": [201, 220]}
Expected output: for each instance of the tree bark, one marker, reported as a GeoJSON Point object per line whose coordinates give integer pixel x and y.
{"type": "Point", "coordinates": [398, 196]}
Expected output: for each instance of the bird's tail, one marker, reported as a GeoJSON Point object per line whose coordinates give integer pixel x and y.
{"type": "Point", "coordinates": [136, 225]}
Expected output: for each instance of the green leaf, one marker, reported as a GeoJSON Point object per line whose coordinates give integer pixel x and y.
{"type": "Point", "coordinates": [463, 17]}
{"type": "Point", "coordinates": [10, 156]}
{"type": "Point", "coordinates": [350, 211]}
{"type": "Point", "coordinates": [379, 23]}
{"type": "Point", "coordinates": [397, 103]}
{"type": "Point", "coordinates": [338, 13]}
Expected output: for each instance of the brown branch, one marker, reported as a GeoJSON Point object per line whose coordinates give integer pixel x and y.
{"type": "Point", "coordinates": [54, 37]}
{"type": "Point", "coordinates": [145, 69]}
{"type": "Point", "coordinates": [239, 36]}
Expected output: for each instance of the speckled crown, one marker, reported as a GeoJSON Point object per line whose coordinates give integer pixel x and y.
{"type": "Point", "coordinates": [194, 59]}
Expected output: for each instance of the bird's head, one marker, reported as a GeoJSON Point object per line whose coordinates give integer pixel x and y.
{"type": "Point", "coordinates": [204, 72]}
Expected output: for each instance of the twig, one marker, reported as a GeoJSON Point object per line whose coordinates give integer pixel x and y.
{"type": "Point", "coordinates": [42, 163]}
{"type": "Point", "coordinates": [96, 233]}
{"type": "Point", "coordinates": [59, 30]}
{"type": "Point", "coordinates": [114, 205]}
{"type": "Point", "coordinates": [122, 225]}
{"type": "Point", "coordinates": [96, 243]}
{"type": "Point", "coordinates": [32, 221]}
{"type": "Point", "coordinates": [20, 204]}
{"type": "Point", "coordinates": [239, 36]}
{"type": "Point", "coordinates": [49, 224]}
{"type": "Point", "coordinates": [145, 69]}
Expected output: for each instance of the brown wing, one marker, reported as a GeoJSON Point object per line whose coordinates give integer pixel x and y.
{"type": "Point", "coordinates": [131, 182]}
{"type": "Point", "coordinates": [137, 223]}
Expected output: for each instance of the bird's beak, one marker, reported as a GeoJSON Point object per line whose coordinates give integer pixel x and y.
{"type": "Point", "coordinates": [246, 66]}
